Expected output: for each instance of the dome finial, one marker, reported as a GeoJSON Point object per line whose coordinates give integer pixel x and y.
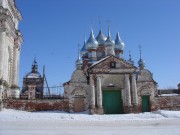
{"type": "Point", "coordinates": [141, 61]}
{"type": "Point", "coordinates": [34, 58]}
{"type": "Point", "coordinates": [92, 30]}
{"type": "Point", "coordinates": [109, 41]}
{"type": "Point", "coordinates": [79, 57]}
{"type": "Point", "coordinates": [140, 51]}
{"type": "Point", "coordinates": [84, 41]}
{"type": "Point", "coordinates": [84, 49]}
{"type": "Point", "coordinates": [34, 66]}
{"type": "Point", "coordinates": [100, 37]}
{"type": "Point", "coordinates": [130, 55]}
{"type": "Point", "coordinates": [78, 61]}
{"type": "Point", "coordinates": [130, 59]}
{"type": "Point", "coordinates": [109, 34]}
{"type": "Point", "coordinates": [84, 37]}
{"type": "Point", "coordinates": [100, 22]}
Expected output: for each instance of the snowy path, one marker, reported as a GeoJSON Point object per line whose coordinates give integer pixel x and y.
{"type": "Point", "coordinates": [157, 127]}
{"type": "Point", "coordinates": [58, 123]}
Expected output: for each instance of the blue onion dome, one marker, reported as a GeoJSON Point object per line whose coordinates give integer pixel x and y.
{"type": "Point", "coordinates": [84, 49]}
{"type": "Point", "coordinates": [78, 63]}
{"type": "Point", "coordinates": [119, 45]}
{"type": "Point", "coordinates": [101, 38]}
{"type": "Point", "coordinates": [92, 42]}
{"type": "Point", "coordinates": [130, 61]}
{"type": "Point", "coordinates": [141, 63]}
{"type": "Point", "coordinates": [109, 41]}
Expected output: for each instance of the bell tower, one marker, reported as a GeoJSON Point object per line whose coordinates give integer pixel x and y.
{"type": "Point", "coordinates": [10, 46]}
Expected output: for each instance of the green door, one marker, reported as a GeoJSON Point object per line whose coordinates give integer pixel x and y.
{"type": "Point", "coordinates": [112, 102]}
{"type": "Point", "coordinates": [145, 104]}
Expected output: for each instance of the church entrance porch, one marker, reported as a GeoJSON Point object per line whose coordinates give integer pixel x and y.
{"type": "Point", "coordinates": [112, 102]}
{"type": "Point", "coordinates": [145, 104]}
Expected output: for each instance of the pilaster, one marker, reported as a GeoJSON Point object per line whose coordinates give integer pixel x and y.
{"type": "Point", "coordinates": [5, 59]}
{"type": "Point", "coordinates": [18, 62]}
{"type": "Point", "coordinates": [99, 92]}
{"type": "Point", "coordinates": [2, 55]}
{"type": "Point", "coordinates": [92, 92]}
{"type": "Point", "coordinates": [15, 65]}
{"type": "Point", "coordinates": [134, 90]}
{"type": "Point", "coordinates": [127, 89]}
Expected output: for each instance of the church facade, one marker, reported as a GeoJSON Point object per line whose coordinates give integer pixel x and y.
{"type": "Point", "coordinates": [105, 83]}
{"type": "Point", "coordinates": [10, 46]}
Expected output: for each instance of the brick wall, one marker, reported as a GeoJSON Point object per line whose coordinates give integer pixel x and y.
{"type": "Point", "coordinates": [169, 91]}
{"type": "Point", "coordinates": [36, 105]}
{"type": "Point", "coordinates": [163, 103]}
{"type": "Point", "coordinates": [168, 103]}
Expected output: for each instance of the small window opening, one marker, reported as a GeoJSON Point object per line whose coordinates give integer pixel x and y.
{"type": "Point", "coordinates": [113, 64]}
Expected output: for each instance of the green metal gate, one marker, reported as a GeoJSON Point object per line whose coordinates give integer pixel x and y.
{"type": "Point", "coordinates": [112, 102]}
{"type": "Point", "coordinates": [145, 104]}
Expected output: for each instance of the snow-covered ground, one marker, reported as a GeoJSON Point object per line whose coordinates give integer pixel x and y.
{"type": "Point", "coordinates": [14, 122]}
{"type": "Point", "coordinates": [16, 115]}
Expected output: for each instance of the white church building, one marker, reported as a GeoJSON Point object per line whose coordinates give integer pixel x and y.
{"type": "Point", "coordinates": [10, 46]}
{"type": "Point", "coordinates": [104, 82]}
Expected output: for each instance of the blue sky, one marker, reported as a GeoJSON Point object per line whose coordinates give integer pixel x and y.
{"type": "Point", "coordinates": [52, 29]}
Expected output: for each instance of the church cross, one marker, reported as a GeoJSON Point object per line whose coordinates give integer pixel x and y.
{"type": "Point", "coordinates": [140, 51]}
{"type": "Point", "coordinates": [100, 22]}
{"type": "Point", "coordinates": [108, 21]}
